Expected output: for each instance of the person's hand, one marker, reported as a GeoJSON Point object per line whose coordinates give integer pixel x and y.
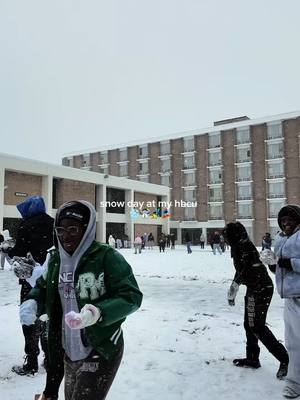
{"type": "Point", "coordinates": [268, 257]}
{"type": "Point", "coordinates": [232, 292]}
{"type": "Point", "coordinates": [23, 267]}
{"type": "Point", "coordinates": [28, 311]}
{"type": "Point", "coordinates": [5, 247]}
{"type": "Point", "coordinates": [285, 263]}
{"type": "Point", "coordinates": [88, 315]}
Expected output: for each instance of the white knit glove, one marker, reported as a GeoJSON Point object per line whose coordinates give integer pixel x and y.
{"type": "Point", "coordinates": [28, 311]}
{"type": "Point", "coordinates": [232, 292]}
{"type": "Point", "coordinates": [88, 315]}
{"type": "Point", "coordinates": [23, 267]}
{"type": "Point", "coordinates": [268, 257]}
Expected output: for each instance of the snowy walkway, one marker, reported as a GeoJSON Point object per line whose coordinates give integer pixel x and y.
{"type": "Point", "coordinates": [179, 345]}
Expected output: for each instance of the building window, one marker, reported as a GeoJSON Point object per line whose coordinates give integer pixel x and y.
{"type": "Point", "coordinates": [165, 148]}
{"type": "Point", "coordinates": [274, 150]}
{"type": "Point", "coordinates": [215, 211]}
{"type": "Point", "coordinates": [215, 176]}
{"type": "Point", "coordinates": [86, 160]}
{"type": "Point", "coordinates": [214, 140]}
{"type": "Point", "coordinates": [165, 165]}
{"type": "Point", "coordinates": [123, 154]}
{"type": "Point", "coordinates": [274, 130]}
{"type": "Point", "coordinates": [165, 180]}
{"type": "Point", "coordinates": [215, 158]}
{"type": "Point", "coordinates": [243, 135]}
{"type": "Point", "coordinates": [275, 170]}
{"type": "Point", "coordinates": [144, 178]}
{"type": "Point", "coordinates": [244, 192]}
{"type": "Point", "coordinates": [189, 195]}
{"type": "Point", "coordinates": [243, 155]}
{"type": "Point", "coordinates": [143, 151]}
{"type": "Point", "coordinates": [103, 157]}
{"type": "Point", "coordinates": [216, 194]}
{"type": "Point", "coordinates": [274, 208]}
{"type": "Point", "coordinates": [188, 144]}
{"type": "Point", "coordinates": [189, 178]}
{"type": "Point", "coordinates": [244, 210]}
{"type": "Point", "coordinates": [276, 189]}
{"type": "Point", "coordinates": [103, 170]}
{"type": "Point", "coordinates": [115, 201]}
{"type": "Point", "coordinates": [243, 173]}
{"type": "Point", "coordinates": [189, 161]}
{"type": "Point", "coordinates": [143, 168]}
{"type": "Point", "coordinates": [249, 231]}
{"type": "Point", "coordinates": [189, 213]}
{"type": "Point", "coordinates": [123, 170]}
{"type": "Point", "coordinates": [70, 162]}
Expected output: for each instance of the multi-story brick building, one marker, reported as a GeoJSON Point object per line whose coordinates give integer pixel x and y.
{"type": "Point", "coordinates": [239, 169]}
{"type": "Point", "coordinates": [21, 178]}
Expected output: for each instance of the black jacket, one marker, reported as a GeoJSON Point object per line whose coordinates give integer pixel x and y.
{"type": "Point", "coordinates": [35, 235]}
{"type": "Point", "coordinates": [250, 271]}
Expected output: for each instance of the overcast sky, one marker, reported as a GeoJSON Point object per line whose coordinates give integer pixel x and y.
{"type": "Point", "coordinates": [80, 74]}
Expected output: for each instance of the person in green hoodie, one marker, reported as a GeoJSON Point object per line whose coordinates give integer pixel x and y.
{"type": "Point", "coordinates": [87, 291]}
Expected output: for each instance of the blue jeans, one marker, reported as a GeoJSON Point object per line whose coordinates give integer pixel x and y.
{"type": "Point", "coordinates": [188, 246]}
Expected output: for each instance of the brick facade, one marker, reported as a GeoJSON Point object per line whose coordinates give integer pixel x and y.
{"type": "Point", "coordinates": [259, 188]}
{"type": "Point", "coordinates": [177, 178]}
{"type": "Point", "coordinates": [17, 182]}
{"type": "Point", "coordinates": [201, 144]}
{"type": "Point", "coordinates": [291, 130]}
{"type": "Point", "coordinates": [228, 174]}
{"type": "Point", "coordinates": [66, 189]}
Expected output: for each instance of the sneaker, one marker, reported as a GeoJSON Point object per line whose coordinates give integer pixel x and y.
{"type": "Point", "coordinates": [282, 371]}
{"type": "Point", "coordinates": [28, 368]}
{"type": "Point", "coordinates": [290, 393]}
{"type": "Point", "coordinates": [246, 362]}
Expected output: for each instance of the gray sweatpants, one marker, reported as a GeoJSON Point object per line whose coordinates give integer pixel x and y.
{"type": "Point", "coordinates": [91, 378]}
{"type": "Point", "coordinates": [292, 341]}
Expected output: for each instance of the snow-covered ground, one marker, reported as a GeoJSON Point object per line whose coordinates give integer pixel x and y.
{"type": "Point", "coordinates": [179, 345]}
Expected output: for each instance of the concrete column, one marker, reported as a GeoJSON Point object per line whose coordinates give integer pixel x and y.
{"type": "Point", "coordinates": [101, 213]}
{"type": "Point", "coordinates": [179, 238]}
{"type": "Point", "coordinates": [204, 231]}
{"type": "Point", "coordinates": [129, 226]}
{"type": "Point", "coordinates": [166, 222]}
{"type": "Point", "coordinates": [2, 188]}
{"type": "Point", "coordinates": [47, 192]}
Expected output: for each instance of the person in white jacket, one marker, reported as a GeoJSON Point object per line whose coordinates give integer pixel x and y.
{"type": "Point", "coordinates": [111, 241]}
{"type": "Point", "coordinates": [287, 252]}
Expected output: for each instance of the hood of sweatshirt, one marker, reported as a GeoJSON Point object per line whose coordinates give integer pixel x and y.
{"type": "Point", "coordinates": [289, 210]}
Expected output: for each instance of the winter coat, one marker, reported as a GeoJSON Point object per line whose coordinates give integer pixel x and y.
{"type": "Point", "coordinates": [138, 240]}
{"type": "Point", "coordinates": [187, 238]}
{"type": "Point", "coordinates": [150, 238]}
{"type": "Point", "coordinates": [288, 282]}
{"type": "Point", "coordinates": [250, 271]}
{"type": "Point", "coordinates": [111, 241]}
{"type": "Point", "coordinates": [216, 239]}
{"type": "Point", "coordinates": [115, 292]}
{"type": "Point", "coordinates": [35, 232]}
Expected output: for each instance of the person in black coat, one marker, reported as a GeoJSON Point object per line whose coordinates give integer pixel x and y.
{"type": "Point", "coordinates": [250, 271]}
{"type": "Point", "coordinates": [34, 236]}
{"type": "Point", "coordinates": [188, 242]}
